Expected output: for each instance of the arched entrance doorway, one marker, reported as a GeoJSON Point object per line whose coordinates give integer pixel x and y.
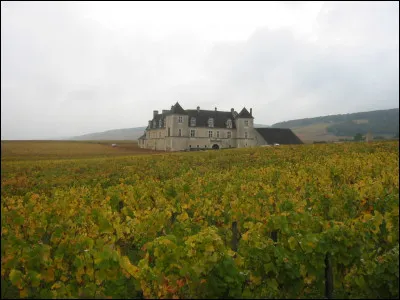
{"type": "Point", "coordinates": [215, 147]}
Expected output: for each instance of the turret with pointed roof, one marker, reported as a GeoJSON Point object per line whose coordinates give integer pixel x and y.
{"type": "Point", "coordinates": [245, 114]}
{"type": "Point", "coordinates": [177, 109]}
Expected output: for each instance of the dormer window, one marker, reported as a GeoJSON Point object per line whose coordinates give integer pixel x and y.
{"type": "Point", "coordinates": [160, 123]}
{"type": "Point", "coordinates": [210, 122]}
{"type": "Point", "coordinates": [193, 121]}
{"type": "Point", "coordinates": [229, 123]}
{"type": "Point", "coordinates": [180, 119]}
{"type": "Point", "coordinates": [154, 124]}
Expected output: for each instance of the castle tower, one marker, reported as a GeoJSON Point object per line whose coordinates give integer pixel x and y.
{"type": "Point", "coordinates": [245, 129]}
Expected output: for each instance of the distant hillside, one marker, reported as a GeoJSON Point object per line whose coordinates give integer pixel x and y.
{"type": "Point", "coordinates": [122, 134]}
{"type": "Point", "coordinates": [261, 126]}
{"type": "Point", "coordinates": [383, 123]}
{"type": "Point", "coordinates": [111, 135]}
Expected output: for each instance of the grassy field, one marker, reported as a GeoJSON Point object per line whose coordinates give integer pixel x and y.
{"type": "Point", "coordinates": [316, 132]}
{"type": "Point", "coordinates": [85, 220]}
{"type": "Point", "coordinates": [37, 150]}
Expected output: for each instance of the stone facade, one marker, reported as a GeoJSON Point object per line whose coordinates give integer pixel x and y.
{"type": "Point", "coordinates": [178, 129]}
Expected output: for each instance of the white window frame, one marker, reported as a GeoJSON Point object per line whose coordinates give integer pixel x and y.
{"type": "Point", "coordinates": [210, 133]}
{"type": "Point", "coordinates": [217, 134]}
{"type": "Point", "coordinates": [229, 135]}
{"type": "Point", "coordinates": [211, 122]}
{"type": "Point", "coordinates": [192, 133]}
{"type": "Point", "coordinates": [180, 119]}
{"type": "Point", "coordinates": [192, 121]}
{"type": "Point", "coordinates": [229, 123]}
{"type": "Point", "coordinates": [160, 123]}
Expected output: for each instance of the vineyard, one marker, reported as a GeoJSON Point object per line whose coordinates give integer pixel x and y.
{"type": "Point", "coordinates": [304, 221]}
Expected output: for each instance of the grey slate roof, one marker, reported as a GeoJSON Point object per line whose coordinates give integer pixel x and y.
{"type": "Point", "coordinates": [202, 116]}
{"type": "Point", "coordinates": [245, 114]}
{"type": "Point", "coordinates": [283, 136]}
{"type": "Point", "coordinates": [177, 109]}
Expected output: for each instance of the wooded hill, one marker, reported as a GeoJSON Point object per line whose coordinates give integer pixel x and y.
{"type": "Point", "coordinates": [379, 123]}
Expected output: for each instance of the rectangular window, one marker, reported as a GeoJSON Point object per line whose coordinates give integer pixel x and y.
{"type": "Point", "coordinates": [192, 121]}
{"type": "Point", "coordinates": [180, 119]}
{"type": "Point", "coordinates": [217, 134]}
{"type": "Point", "coordinates": [169, 131]}
{"type": "Point", "coordinates": [192, 133]}
{"type": "Point", "coordinates": [246, 123]}
{"type": "Point", "coordinates": [228, 134]}
{"type": "Point", "coordinates": [210, 122]}
{"type": "Point", "coordinates": [180, 132]}
{"type": "Point", "coordinates": [245, 135]}
{"type": "Point", "coordinates": [210, 134]}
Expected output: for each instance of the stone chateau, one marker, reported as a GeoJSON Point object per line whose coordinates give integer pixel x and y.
{"type": "Point", "coordinates": [178, 129]}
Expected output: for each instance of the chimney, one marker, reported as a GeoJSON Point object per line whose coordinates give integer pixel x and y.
{"type": "Point", "coordinates": [232, 110]}
{"type": "Point", "coordinates": [251, 112]}
{"type": "Point", "coordinates": [198, 109]}
{"type": "Point", "coordinates": [155, 113]}
{"type": "Point", "coordinates": [164, 111]}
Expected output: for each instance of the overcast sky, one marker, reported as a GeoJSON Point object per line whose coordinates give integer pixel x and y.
{"type": "Point", "coordinates": [71, 68]}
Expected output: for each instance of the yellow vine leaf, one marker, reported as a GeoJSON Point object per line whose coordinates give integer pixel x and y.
{"type": "Point", "coordinates": [292, 243]}
{"type": "Point", "coordinates": [210, 248]}
{"type": "Point", "coordinates": [55, 286]}
{"type": "Point", "coordinates": [48, 275]}
{"type": "Point", "coordinates": [23, 293]}
{"type": "Point", "coordinates": [126, 264]}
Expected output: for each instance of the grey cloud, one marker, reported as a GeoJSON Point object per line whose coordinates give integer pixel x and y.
{"type": "Point", "coordinates": [64, 74]}
{"type": "Point", "coordinates": [289, 78]}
